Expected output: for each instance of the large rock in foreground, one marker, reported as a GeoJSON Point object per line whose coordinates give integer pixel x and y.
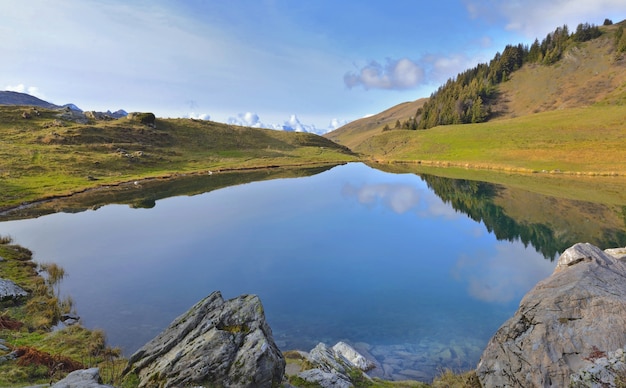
{"type": "Point", "coordinates": [565, 322]}
{"type": "Point", "coordinates": [216, 343]}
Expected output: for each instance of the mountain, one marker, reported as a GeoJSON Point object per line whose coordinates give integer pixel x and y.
{"type": "Point", "coordinates": [16, 98]}
{"type": "Point", "coordinates": [564, 71]}
{"type": "Point", "coordinates": [72, 107]}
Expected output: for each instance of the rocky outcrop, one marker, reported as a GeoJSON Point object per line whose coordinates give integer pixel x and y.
{"type": "Point", "coordinates": [334, 367]}
{"type": "Point", "coordinates": [216, 343]}
{"type": "Point", "coordinates": [566, 321]}
{"type": "Point", "coordinates": [10, 290]}
{"type": "Point", "coordinates": [83, 378]}
{"type": "Point", "coordinates": [146, 118]}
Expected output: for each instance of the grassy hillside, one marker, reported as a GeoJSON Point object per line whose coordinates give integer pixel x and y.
{"type": "Point", "coordinates": [588, 73]}
{"type": "Point", "coordinates": [582, 140]}
{"type": "Point", "coordinates": [355, 132]}
{"type": "Point", "coordinates": [43, 154]}
{"type": "Point", "coordinates": [567, 116]}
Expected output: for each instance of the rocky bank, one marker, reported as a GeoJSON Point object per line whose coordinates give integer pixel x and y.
{"type": "Point", "coordinates": [569, 330]}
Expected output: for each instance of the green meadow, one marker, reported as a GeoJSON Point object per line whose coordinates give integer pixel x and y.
{"type": "Point", "coordinates": [583, 141]}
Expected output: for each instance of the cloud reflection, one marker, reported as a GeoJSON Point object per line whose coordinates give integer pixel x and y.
{"type": "Point", "coordinates": [506, 275]}
{"type": "Point", "coordinates": [401, 198]}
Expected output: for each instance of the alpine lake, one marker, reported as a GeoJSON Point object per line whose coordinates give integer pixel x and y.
{"type": "Point", "coordinates": [414, 270]}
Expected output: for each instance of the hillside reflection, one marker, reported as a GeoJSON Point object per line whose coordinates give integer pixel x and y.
{"type": "Point", "coordinates": [145, 193]}
{"type": "Point", "coordinates": [549, 224]}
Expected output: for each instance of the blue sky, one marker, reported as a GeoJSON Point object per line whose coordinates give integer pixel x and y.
{"type": "Point", "coordinates": [299, 63]}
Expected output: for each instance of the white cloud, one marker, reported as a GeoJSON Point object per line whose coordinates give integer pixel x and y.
{"type": "Point", "coordinates": [199, 116]}
{"type": "Point", "coordinates": [336, 123]}
{"type": "Point", "coordinates": [431, 69]}
{"type": "Point", "coordinates": [535, 18]}
{"type": "Point", "coordinates": [32, 90]}
{"type": "Point", "coordinates": [395, 74]}
{"type": "Point", "coordinates": [293, 124]}
{"type": "Point", "coordinates": [247, 119]}
{"type": "Point", "coordinates": [444, 67]}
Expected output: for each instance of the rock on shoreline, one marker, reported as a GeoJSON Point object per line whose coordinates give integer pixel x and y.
{"type": "Point", "coordinates": [563, 324]}
{"type": "Point", "coordinates": [10, 290]}
{"type": "Point", "coordinates": [216, 341]}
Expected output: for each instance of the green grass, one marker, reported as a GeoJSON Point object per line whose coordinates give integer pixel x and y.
{"type": "Point", "coordinates": [37, 313]}
{"type": "Point", "coordinates": [38, 160]}
{"type": "Point", "coordinates": [573, 141]}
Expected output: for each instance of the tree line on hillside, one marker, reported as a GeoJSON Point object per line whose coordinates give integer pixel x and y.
{"type": "Point", "coordinates": [477, 200]}
{"type": "Point", "coordinates": [466, 98]}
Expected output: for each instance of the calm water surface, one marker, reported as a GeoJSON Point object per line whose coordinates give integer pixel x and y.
{"type": "Point", "coordinates": [354, 254]}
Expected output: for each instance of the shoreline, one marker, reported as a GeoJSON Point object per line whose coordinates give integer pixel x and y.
{"type": "Point", "coordinates": [496, 168]}
{"type": "Point", "coordinates": [5, 210]}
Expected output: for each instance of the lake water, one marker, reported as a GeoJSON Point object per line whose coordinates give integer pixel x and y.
{"type": "Point", "coordinates": [353, 253]}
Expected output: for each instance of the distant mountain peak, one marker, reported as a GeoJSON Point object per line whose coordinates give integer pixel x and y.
{"type": "Point", "coordinates": [16, 98]}
{"type": "Point", "coordinates": [72, 107]}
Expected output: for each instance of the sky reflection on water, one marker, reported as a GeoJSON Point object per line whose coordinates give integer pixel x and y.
{"type": "Point", "coordinates": [350, 254]}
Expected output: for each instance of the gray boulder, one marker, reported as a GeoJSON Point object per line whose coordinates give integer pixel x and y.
{"type": "Point", "coordinates": [10, 290]}
{"type": "Point", "coordinates": [333, 367]}
{"type": "Point", "coordinates": [356, 359]}
{"type": "Point", "coordinates": [575, 315]}
{"type": "Point", "coordinates": [325, 379]}
{"type": "Point", "coordinates": [217, 342]}
{"type": "Point", "coordinates": [83, 378]}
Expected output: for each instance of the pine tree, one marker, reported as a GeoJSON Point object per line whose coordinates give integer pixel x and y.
{"type": "Point", "coordinates": [478, 111]}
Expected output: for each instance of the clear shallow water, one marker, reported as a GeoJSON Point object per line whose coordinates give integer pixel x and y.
{"type": "Point", "coordinates": [354, 254]}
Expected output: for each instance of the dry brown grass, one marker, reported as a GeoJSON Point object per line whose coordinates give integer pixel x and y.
{"type": "Point", "coordinates": [30, 356]}
{"type": "Point", "coordinates": [589, 73]}
{"type": "Point", "coordinates": [9, 323]}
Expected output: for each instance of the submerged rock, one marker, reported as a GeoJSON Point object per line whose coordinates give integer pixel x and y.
{"type": "Point", "coordinates": [576, 315]}
{"type": "Point", "coordinates": [215, 343]}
